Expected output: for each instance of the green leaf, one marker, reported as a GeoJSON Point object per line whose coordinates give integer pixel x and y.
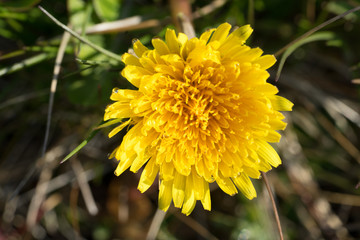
{"type": "Point", "coordinates": [81, 145]}
{"type": "Point", "coordinates": [107, 10]}
{"type": "Point", "coordinates": [320, 36]}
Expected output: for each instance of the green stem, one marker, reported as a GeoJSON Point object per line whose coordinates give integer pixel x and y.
{"type": "Point", "coordinates": [84, 40]}
{"type": "Point", "coordinates": [26, 63]}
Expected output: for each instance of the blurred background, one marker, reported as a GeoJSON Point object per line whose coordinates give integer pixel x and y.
{"type": "Point", "coordinates": [317, 189]}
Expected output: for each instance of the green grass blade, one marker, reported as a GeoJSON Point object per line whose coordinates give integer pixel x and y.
{"type": "Point", "coordinates": [320, 36]}
{"type": "Point", "coordinates": [81, 145]}
{"type": "Point", "coordinates": [109, 123]}
{"type": "Point", "coordinates": [26, 63]}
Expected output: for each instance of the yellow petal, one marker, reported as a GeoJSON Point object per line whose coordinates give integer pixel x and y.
{"type": "Point", "coordinates": [124, 94]}
{"type": "Point", "coordinates": [143, 150]}
{"type": "Point", "coordinates": [272, 136]}
{"type": "Point", "coordinates": [139, 161]}
{"type": "Point", "coordinates": [167, 171]}
{"type": "Point", "coordinates": [130, 59]}
{"type": "Point", "coordinates": [226, 185]}
{"type": "Point", "coordinates": [247, 56]}
{"type": "Point", "coordinates": [201, 54]}
{"type": "Point", "coordinates": [244, 184]}
{"type": "Point", "coordinates": [189, 201]}
{"type": "Point", "coordinates": [134, 74]}
{"type": "Point", "coordinates": [265, 61]}
{"type": "Point", "coordinates": [182, 38]}
{"type": "Point", "coordinates": [112, 155]}
{"type": "Point", "coordinates": [203, 171]}
{"type": "Point", "coordinates": [198, 186]}
{"type": "Point", "coordinates": [147, 62]}
{"type": "Point", "coordinates": [160, 46]}
{"type": "Point", "coordinates": [148, 175]}
{"type": "Point", "coordinates": [268, 154]}
{"type": "Point", "coordinates": [165, 194]}
{"type": "Point", "coordinates": [206, 201]}
{"type": "Point", "coordinates": [174, 60]}
{"type": "Point", "coordinates": [139, 48]}
{"type": "Point", "coordinates": [238, 37]}
{"type": "Point", "coordinates": [264, 166]}
{"type": "Point", "coordinates": [171, 41]}
{"type": "Point", "coordinates": [124, 164]}
{"type": "Point", "coordinates": [281, 104]}
{"type": "Point", "coordinates": [252, 172]}
{"type": "Point", "coordinates": [117, 110]}
{"type": "Point", "coordinates": [179, 161]}
{"type": "Point", "coordinates": [221, 33]}
{"type": "Point", "coordinates": [206, 35]}
{"type": "Point", "coordinates": [277, 124]}
{"type": "Point", "coordinates": [178, 190]}
{"type": "Point", "coordinates": [225, 169]}
{"type": "Point", "coordinates": [119, 128]}
{"type": "Point", "coordinates": [267, 88]}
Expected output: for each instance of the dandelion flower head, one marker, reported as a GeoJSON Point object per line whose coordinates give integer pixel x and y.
{"type": "Point", "coordinates": [203, 112]}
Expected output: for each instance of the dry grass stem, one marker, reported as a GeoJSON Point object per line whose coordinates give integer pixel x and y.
{"type": "Point", "coordinates": [197, 227]}
{"type": "Point", "coordinates": [64, 41]}
{"type": "Point", "coordinates": [304, 184]}
{"type": "Point", "coordinates": [84, 187]}
{"type": "Point", "coordinates": [127, 24]}
{"type": "Point", "coordinates": [155, 224]}
{"type": "Point", "coordinates": [342, 198]}
{"type": "Point", "coordinates": [207, 9]}
{"type": "Point", "coordinates": [276, 214]}
{"type": "Point", "coordinates": [42, 185]}
{"type": "Point", "coordinates": [339, 137]}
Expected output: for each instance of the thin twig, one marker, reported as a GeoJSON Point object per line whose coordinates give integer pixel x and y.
{"type": "Point", "coordinates": [84, 40]}
{"type": "Point", "coordinates": [343, 141]}
{"type": "Point", "coordinates": [42, 185]}
{"type": "Point", "coordinates": [186, 26]}
{"type": "Point", "coordinates": [196, 226]}
{"type": "Point", "coordinates": [23, 98]}
{"type": "Point", "coordinates": [84, 187]}
{"type": "Point", "coordinates": [181, 14]}
{"type": "Point", "coordinates": [266, 181]}
{"type": "Point", "coordinates": [56, 183]}
{"type": "Point", "coordinates": [64, 41]}
{"type": "Point", "coordinates": [46, 172]}
{"type": "Point", "coordinates": [74, 196]}
{"type": "Point", "coordinates": [342, 198]}
{"type": "Point", "coordinates": [207, 9]}
{"type": "Point", "coordinates": [251, 13]}
{"type": "Point", "coordinates": [127, 24]}
{"type": "Point", "coordinates": [315, 29]}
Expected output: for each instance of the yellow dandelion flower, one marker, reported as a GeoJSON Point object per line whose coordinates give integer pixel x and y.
{"type": "Point", "coordinates": [202, 113]}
